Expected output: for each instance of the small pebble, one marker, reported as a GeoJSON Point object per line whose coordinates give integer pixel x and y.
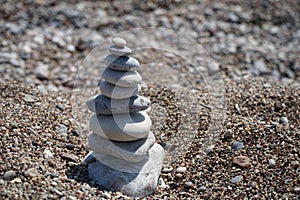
{"type": "Point", "coordinates": [70, 146]}
{"type": "Point", "coordinates": [254, 184]}
{"type": "Point", "coordinates": [267, 85]}
{"type": "Point", "coordinates": [237, 179]}
{"type": "Point", "coordinates": [242, 161]}
{"type": "Point", "coordinates": [106, 195]}
{"type": "Point", "coordinates": [162, 183]}
{"type": "Point", "coordinates": [75, 132]}
{"type": "Point", "coordinates": [70, 157]}
{"type": "Point", "coordinates": [119, 42]}
{"type": "Point", "coordinates": [284, 120]}
{"type": "Point", "coordinates": [53, 183]}
{"type": "Point", "coordinates": [188, 184]}
{"type": "Point", "coordinates": [297, 190]}
{"type": "Point", "coordinates": [295, 164]}
{"type": "Point", "coordinates": [167, 170]}
{"type": "Point", "coordinates": [71, 47]}
{"type": "Point", "coordinates": [42, 89]}
{"type": "Point", "coordinates": [32, 172]}
{"type": "Point", "coordinates": [30, 98]}
{"type": "Point", "coordinates": [62, 129]}
{"type": "Point", "coordinates": [53, 175]}
{"type": "Point", "coordinates": [47, 154]}
{"type": "Point", "coordinates": [237, 108]}
{"type": "Point", "coordinates": [60, 107]}
{"type": "Point", "coordinates": [72, 198]}
{"type": "Point", "coordinates": [9, 175]}
{"type": "Point", "coordinates": [52, 88]}
{"type": "Point", "coordinates": [202, 188]}
{"type": "Point", "coordinates": [16, 180]}
{"type": "Point", "coordinates": [181, 169]}
{"type": "Point", "coordinates": [272, 162]}
{"type": "Point", "coordinates": [228, 134]}
{"type": "Point", "coordinates": [178, 175]}
{"type": "Point", "coordinates": [237, 145]}
{"type": "Point", "coordinates": [42, 71]}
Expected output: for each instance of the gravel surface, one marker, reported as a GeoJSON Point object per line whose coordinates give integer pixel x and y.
{"type": "Point", "coordinates": [256, 43]}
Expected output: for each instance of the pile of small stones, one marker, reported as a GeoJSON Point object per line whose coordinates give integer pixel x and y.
{"type": "Point", "coordinates": [122, 142]}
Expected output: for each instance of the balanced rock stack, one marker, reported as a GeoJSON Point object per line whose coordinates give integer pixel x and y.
{"type": "Point", "coordinates": [127, 159]}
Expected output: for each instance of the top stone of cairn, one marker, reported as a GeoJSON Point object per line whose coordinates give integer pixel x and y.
{"type": "Point", "coordinates": [119, 47]}
{"type": "Point", "coordinates": [119, 42]}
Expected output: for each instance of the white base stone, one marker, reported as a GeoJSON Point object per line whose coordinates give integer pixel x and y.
{"type": "Point", "coordinates": [139, 184]}
{"type": "Point", "coordinates": [134, 151]}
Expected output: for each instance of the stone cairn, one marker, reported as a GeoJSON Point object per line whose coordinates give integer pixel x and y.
{"type": "Point", "coordinates": [124, 154]}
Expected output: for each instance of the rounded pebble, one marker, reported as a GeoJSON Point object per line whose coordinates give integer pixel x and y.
{"type": "Point", "coordinates": [119, 51]}
{"type": "Point", "coordinates": [101, 104]}
{"type": "Point", "coordinates": [284, 120]}
{"type": "Point", "coordinates": [242, 161]}
{"type": "Point", "coordinates": [9, 175]}
{"type": "Point", "coordinates": [121, 78]}
{"type": "Point", "coordinates": [32, 172]}
{"type": "Point", "coordinates": [122, 127]}
{"type": "Point", "coordinates": [272, 162]}
{"type": "Point", "coordinates": [188, 184]}
{"type": "Point", "coordinates": [237, 179]}
{"type": "Point", "coordinates": [117, 92]}
{"type": "Point", "coordinates": [134, 151]}
{"type": "Point", "coordinates": [237, 145]}
{"type": "Point", "coordinates": [120, 42]}
{"type": "Point", "coordinates": [123, 63]}
{"type": "Point", "coordinates": [202, 188]}
{"type": "Point", "coordinates": [181, 169]}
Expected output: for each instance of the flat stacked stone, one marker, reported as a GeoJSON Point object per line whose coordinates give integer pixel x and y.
{"type": "Point", "coordinates": [127, 158]}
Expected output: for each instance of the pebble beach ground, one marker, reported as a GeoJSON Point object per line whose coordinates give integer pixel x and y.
{"type": "Point", "coordinates": [256, 153]}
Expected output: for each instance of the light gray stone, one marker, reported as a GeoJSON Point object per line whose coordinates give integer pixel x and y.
{"type": "Point", "coordinates": [237, 145]}
{"type": "Point", "coordinates": [284, 120]}
{"type": "Point", "coordinates": [123, 79]}
{"type": "Point", "coordinates": [42, 71]}
{"type": "Point", "coordinates": [122, 127]}
{"type": "Point", "coordinates": [261, 66]}
{"type": "Point", "coordinates": [139, 183]}
{"type": "Point", "coordinates": [119, 51]}
{"type": "Point", "coordinates": [9, 175]}
{"type": "Point", "coordinates": [42, 89]}
{"type": "Point", "coordinates": [30, 98]}
{"type": "Point", "coordinates": [134, 151]}
{"type": "Point", "coordinates": [100, 104]}
{"type": "Point", "coordinates": [32, 172]}
{"type": "Point", "coordinates": [117, 92]}
{"type": "Point", "coordinates": [237, 179]}
{"type": "Point", "coordinates": [272, 163]}
{"type": "Point", "coordinates": [120, 42]}
{"type": "Point", "coordinates": [123, 63]}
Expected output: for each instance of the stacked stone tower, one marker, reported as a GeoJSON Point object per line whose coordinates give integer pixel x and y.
{"type": "Point", "coordinates": [127, 159]}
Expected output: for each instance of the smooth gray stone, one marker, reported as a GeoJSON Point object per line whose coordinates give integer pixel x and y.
{"type": "Point", "coordinates": [121, 63]}
{"type": "Point", "coordinates": [123, 79]}
{"type": "Point", "coordinates": [100, 104]}
{"type": "Point", "coordinates": [134, 151]}
{"type": "Point", "coordinates": [119, 51]}
{"type": "Point", "coordinates": [118, 92]}
{"type": "Point", "coordinates": [133, 179]}
{"type": "Point", "coordinates": [120, 42]}
{"type": "Point", "coordinates": [122, 127]}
